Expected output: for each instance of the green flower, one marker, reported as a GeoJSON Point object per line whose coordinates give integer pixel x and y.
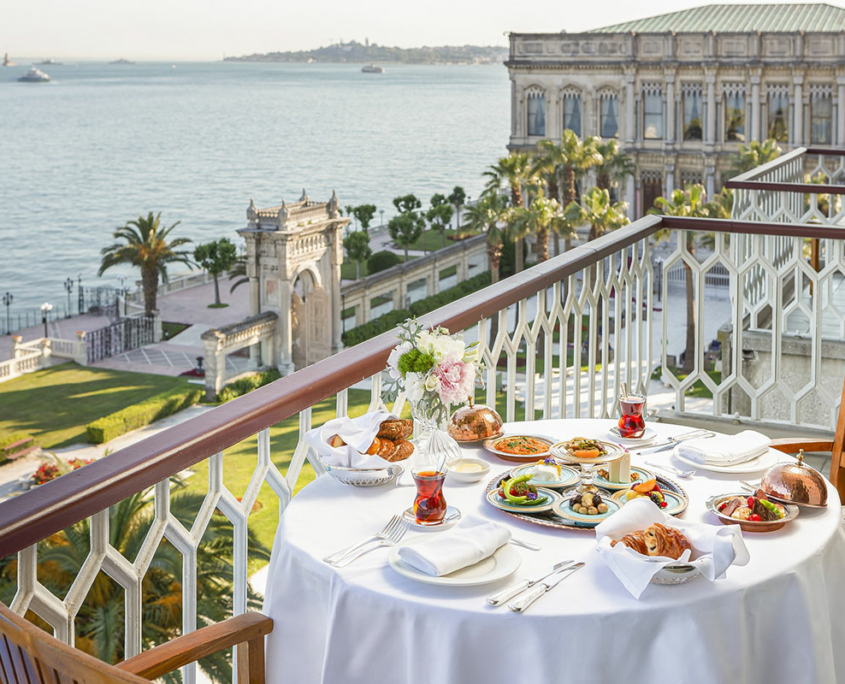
{"type": "Point", "coordinates": [415, 361]}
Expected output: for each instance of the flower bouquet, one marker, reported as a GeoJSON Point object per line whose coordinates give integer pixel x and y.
{"type": "Point", "coordinates": [436, 371]}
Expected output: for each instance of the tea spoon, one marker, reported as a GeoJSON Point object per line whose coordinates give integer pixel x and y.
{"type": "Point", "coordinates": [672, 469]}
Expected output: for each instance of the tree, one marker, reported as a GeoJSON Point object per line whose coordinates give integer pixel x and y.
{"type": "Point", "coordinates": [440, 215]}
{"type": "Point", "coordinates": [458, 199]}
{"type": "Point", "coordinates": [485, 215]}
{"type": "Point", "coordinates": [405, 229]}
{"type": "Point", "coordinates": [238, 271]}
{"type": "Point", "coordinates": [755, 154]}
{"type": "Point", "coordinates": [215, 257]}
{"type": "Point", "coordinates": [615, 165]}
{"type": "Point", "coordinates": [364, 213]}
{"type": "Point", "coordinates": [691, 201]}
{"type": "Point", "coordinates": [541, 216]}
{"type": "Point", "coordinates": [597, 210]}
{"type": "Point", "coordinates": [144, 244]}
{"type": "Point", "coordinates": [512, 172]}
{"type": "Point", "coordinates": [357, 247]}
{"type": "Point", "coordinates": [406, 204]}
{"type": "Point", "coordinates": [581, 156]}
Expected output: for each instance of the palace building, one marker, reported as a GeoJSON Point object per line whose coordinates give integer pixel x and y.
{"type": "Point", "coordinates": [682, 90]}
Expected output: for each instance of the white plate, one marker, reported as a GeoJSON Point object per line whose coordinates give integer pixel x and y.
{"type": "Point", "coordinates": [764, 462]}
{"type": "Point", "coordinates": [648, 437]}
{"type": "Point", "coordinates": [568, 476]}
{"type": "Point", "coordinates": [452, 516]}
{"type": "Point", "coordinates": [498, 566]}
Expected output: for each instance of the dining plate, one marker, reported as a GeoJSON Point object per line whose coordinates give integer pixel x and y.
{"type": "Point", "coordinates": [647, 437]}
{"type": "Point", "coordinates": [676, 503]}
{"type": "Point", "coordinates": [568, 476]}
{"type": "Point", "coordinates": [502, 563]}
{"type": "Point", "coordinates": [500, 503]}
{"type": "Point", "coordinates": [604, 483]}
{"type": "Point", "coordinates": [562, 509]}
{"type": "Point", "coordinates": [764, 462]}
{"type": "Point", "coordinates": [749, 525]}
{"type": "Point", "coordinates": [614, 453]}
{"type": "Point", "coordinates": [452, 516]}
{"type": "Point", "coordinates": [490, 445]}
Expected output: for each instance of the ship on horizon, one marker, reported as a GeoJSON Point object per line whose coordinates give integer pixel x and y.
{"type": "Point", "coordinates": [49, 62]}
{"type": "Point", "coordinates": [34, 75]}
{"type": "Point", "coordinates": [122, 61]}
{"type": "Point", "coordinates": [372, 69]}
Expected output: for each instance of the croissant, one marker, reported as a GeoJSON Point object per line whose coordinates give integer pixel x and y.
{"type": "Point", "coordinates": [656, 540]}
{"type": "Point", "coordinates": [396, 429]}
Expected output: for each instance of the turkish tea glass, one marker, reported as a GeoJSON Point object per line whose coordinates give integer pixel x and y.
{"type": "Point", "coordinates": [430, 504]}
{"type": "Point", "coordinates": [631, 423]}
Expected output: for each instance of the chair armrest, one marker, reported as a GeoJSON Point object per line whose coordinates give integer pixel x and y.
{"type": "Point", "coordinates": [203, 642]}
{"type": "Point", "coordinates": [790, 445]}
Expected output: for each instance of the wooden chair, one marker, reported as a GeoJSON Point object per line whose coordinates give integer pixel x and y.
{"type": "Point", "coordinates": [834, 446]}
{"type": "Point", "coordinates": [28, 655]}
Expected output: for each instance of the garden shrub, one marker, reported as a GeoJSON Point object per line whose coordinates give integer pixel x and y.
{"type": "Point", "coordinates": [11, 439]}
{"type": "Point", "coordinates": [247, 384]}
{"type": "Point", "coordinates": [381, 261]}
{"type": "Point", "coordinates": [133, 417]}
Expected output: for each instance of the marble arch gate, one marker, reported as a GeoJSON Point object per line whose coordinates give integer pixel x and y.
{"type": "Point", "coordinates": [294, 252]}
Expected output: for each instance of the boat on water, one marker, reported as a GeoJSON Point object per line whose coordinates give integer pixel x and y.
{"type": "Point", "coordinates": [34, 76]}
{"type": "Point", "coordinates": [49, 62]}
{"type": "Point", "coordinates": [372, 69]}
{"type": "Point", "coordinates": [8, 62]}
{"type": "Point", "coordinates": [122, 61]}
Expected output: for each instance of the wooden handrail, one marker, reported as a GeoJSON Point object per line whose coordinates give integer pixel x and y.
{"type": "Point", "coordinates": [53, 506]}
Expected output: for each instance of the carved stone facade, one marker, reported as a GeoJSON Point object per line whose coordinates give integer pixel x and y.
{"type": "Point", "coordinates": [294, 253]}
{"type": "Point", "coordinates": [679, 103]}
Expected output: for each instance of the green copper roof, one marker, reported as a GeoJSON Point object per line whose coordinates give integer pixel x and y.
{"type": "Point", "coordinates": [738, 18]}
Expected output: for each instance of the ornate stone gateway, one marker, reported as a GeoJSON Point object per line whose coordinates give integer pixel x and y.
{"type": "Point", "coordinates": [294, 253]}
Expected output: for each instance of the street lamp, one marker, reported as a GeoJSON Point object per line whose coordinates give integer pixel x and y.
{"type": "Point", "coordinates": [8, 298]}
{"type": "Point", "coordinates": [69, 288]}
{"type": "Point", "coordinates": [46, 308]}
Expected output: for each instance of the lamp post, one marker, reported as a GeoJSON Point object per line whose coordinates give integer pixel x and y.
{"type": "Point", "coordinates": [69, 288]}
{"type": "Point", "coordinates": [8, 298]}
{"type": "Point", "coordinates": [46, 308]}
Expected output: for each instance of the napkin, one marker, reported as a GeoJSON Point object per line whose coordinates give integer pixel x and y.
{"type": "Point", "coordinates": [470, 541]}
{"type": "Point", "coordinates": [715, 549]}
{"type": "Point", "coordinates": [358, 433]}
{"type": "Point", "coordinates": [725, 450]}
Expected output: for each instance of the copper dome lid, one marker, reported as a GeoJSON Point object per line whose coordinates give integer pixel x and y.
{"type": "Point", "coordinates": [796, 483]}
{"type": "Point", "coordinates": [474, 423]}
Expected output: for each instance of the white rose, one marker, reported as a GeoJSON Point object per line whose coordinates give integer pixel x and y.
{"type": "Point", "coordinates": [426, 342]}
{"type": "Point", "coordinates": [432, 383]}
{"type": "Point", "coordinates": [414, 386]}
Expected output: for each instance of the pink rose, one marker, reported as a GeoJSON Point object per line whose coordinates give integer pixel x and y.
{"type": "Point", "coordinates": [457, 381]}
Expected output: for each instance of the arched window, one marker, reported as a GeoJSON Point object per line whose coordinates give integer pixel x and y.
{"type": "Point", "coordinates": [536, 112]}
{"type": "Point", "coordinates": [608, 114]}
{"type": "Point", "coordinates": [652, 111]}
{"type": "Point", "coordinates": [821, 114]}
{"type": "Point", "coordinates": [693, 108]}
{"type": "Point", "coordinates": [778, 113]}
{"type": "Point", "coordinates": [734, 99]}
{"type": "Point", "coordinates": [572, 110]}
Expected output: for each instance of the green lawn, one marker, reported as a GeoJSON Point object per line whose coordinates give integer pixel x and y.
{"type": "Point", "coordinates": [170, 330]}
{"type": "Point", "coordinates": [430, 240]}
{"type": "Point", "coordinates": [347, 268]}
{"type": "Point", "coordinates": [54, 405]}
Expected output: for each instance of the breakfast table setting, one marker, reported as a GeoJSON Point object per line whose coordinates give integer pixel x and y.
{"type": "Point", "coordinates": [453, 547]}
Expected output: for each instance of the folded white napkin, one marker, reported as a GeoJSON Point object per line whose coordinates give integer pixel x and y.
{"type": "Point", "coordinates": [470, 541]}
{"type": "Point", "coordinates": [358, 433]}
{"type": "Point", "coordinates": [715, 548]}
{"type": "Point", "coordinates": [726, 449]}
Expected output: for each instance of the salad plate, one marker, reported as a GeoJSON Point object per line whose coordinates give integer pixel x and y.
{"type": "Point", "coordinates": [521, 448]}
{"type": "Point", "coordinates": [551, 497]}
{"type": "Point", "coordinates": [676, 503]}
{"type": "Point", "coordinates": [502, 563]}
{"type": "Point", "coordinates": [569, 477]}
{"type": "Point", "coordinates": [564, 510]}
{"type": "Point", "coordinates": [602, 481]}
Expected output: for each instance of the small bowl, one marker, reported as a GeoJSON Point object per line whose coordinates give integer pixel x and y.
{"type": "Point", "coordinates": [714, 502]}
{"type": "Point", "coordinates": [365, 477]}
{"type": "Point", "coordinates": [470, 476]}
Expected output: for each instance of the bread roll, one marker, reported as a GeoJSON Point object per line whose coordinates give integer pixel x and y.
{"type": "Point", "coordinates": [336, 442]}
{"type": "Point", "coordinates": [396, 429]}
{"type": "Point", "coordinates": [402, 451]}
{"type": "Point", "coordinates": [374, 447]}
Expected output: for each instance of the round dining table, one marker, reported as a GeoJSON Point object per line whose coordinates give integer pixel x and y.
{"type": "Point", "coordinates": [779, 619]}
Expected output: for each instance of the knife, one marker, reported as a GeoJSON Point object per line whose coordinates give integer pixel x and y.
{"type": "Point", "coordinates": [674, 441]}
{"type": "Point", "coordinates": [522, 603]}
{"type": "Point", "coordinates": [500, 597]}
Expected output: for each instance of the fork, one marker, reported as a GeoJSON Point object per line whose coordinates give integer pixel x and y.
{"type": "Point", "coordinates": [671, 469]}
{"type": "Point", "coordinates": [392, 539]}
{"type": "Point", "coordinates": [388, 528]}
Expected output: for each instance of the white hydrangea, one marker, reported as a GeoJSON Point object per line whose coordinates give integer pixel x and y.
{"type": "Point", "coordinates": [393, 359]}
{"type": "Point", "coordinates": [414, 386]}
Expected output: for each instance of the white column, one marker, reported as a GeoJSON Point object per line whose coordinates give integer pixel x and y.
{"type": "Point", "coordinates": [710, 181]}
{"type": "Point", "coordinates": [630, 124]}
{"type": "Point", "coordinates": [669, 136]}
{"type": "Point", "coordinates": [589, 123]}
{"type": "Point", "coordinates": [630, 197]}
{"type": "Point", "coordinates": [840, 111]}
{"type": "Point", "coordinates": [711, 108]}
{"type": "Point", "coordinates": [755, 107]}
{"type": "Point", "coordinates": [798, 121]}
{"type": "Point", "coordinates": [670, 180]}
{"type": "Point", "coordinates": [284, 345]}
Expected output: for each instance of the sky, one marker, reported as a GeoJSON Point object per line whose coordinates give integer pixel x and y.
{"type": "Point", "coordinates": [208, 29]}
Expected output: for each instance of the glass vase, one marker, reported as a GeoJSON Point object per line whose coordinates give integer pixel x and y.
{"type": "Point", "coordinates": [433, 445]}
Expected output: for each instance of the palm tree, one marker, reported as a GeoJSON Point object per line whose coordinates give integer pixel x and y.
{"type": "Point", "coordinates": [755, 154]}
{"type": "Point", "coordinates": [581, 156]}
{"type": "Point", "coordinates": [100, 620]}
{"type": "Point", "coordinates": [539, 218]}
{"type": "Point", "coordinates": [691, 201]}
{"type": "Point", "coordinates": [145, 245]}
{"type": "Point", "coordinates": [238, 271]}
{"type": "Point", "coordinates": [512, 172]}
{"type": "Point", "coordinates": [597, 210]}
{"type": "Point", "coordinates": [616, 165]}
{"type": "Point", "coordinates": [485, 215]}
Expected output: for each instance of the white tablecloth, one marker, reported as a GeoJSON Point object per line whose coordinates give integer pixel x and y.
{"type": "Point", "coordinates": [780, 619]}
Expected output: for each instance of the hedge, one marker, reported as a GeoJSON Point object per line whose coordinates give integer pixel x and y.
{"type": "Point", "coordinates": [244, 385]}
{"type": "Point", "coordinates": [381, 261]}
{"type": "Point", "coordinates": [391, 319]}
{"type": "Point", "coordinates": [11, 439]}
{"type": "Point", "coordinates": [133, 417]}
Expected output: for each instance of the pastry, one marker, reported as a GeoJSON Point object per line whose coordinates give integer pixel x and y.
{"type": "Point", "coordinates": [336, 442]}
{"type": "Point", "coordinates": [396, 429]}
{"type": "Point", "coordinates": [657, 540]}
{"type": "Point", "coordinates": [402, 449]}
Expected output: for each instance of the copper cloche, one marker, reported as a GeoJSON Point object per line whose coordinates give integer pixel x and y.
{"type": "Point", "coordinates": [796, 483]}
{"type": "Point", "coordinates": [475, 423]}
